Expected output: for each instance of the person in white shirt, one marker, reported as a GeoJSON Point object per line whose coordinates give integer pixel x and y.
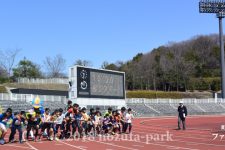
{"type": "Point", "coordinates": [129, 117]}
{"type": "Point", "coordinates": [47, 124]}
{"type": "Point", "coordinates": [58, 124]}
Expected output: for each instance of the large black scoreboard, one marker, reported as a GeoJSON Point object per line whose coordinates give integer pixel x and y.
{"type": "Point", "coordinates": [95, 83]}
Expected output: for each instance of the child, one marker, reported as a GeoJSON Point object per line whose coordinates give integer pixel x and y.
{"type": "Point", "coordinates": [129, 117]}
{"type": "Point", "coordinates": [47, 124]}
{"type": "Point", "coordinates": [34, 122]}
{"type": "Point", "coordinates": [76, 124]}
{"type": "Point", "coordinates": [106, 124]}
{"type": "Point", "coordinates": [5, 121]}
{"type": "Point", "coordinates": [18, 120]}
{"type": "Point", "coordinates": [116, 122]}
{"type": "Point", "coordinates": [59, 124]}
{"type": "Point", "coordinates": [68, 119]}
{"type": "Point", "coordinates": [97, 122]}
{"type": "Point", "coordinates": [109, 112]}
{"type": "Point", "coordinates": [2, 131]}
{"type": "Point", "coordinates": [91, 121]}
{"type": "Point", "coordinates": [84, 119]}
{"type": "Point", "coordinates": [122, 119]}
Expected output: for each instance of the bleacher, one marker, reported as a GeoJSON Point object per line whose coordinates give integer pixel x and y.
{"type": "Point", "coordinates": [163, 108]}
{"type": "Point", "coordinates": [15, 105]}
{"type": "Point", "coordinates": [157, 109]}
{"type": "Point", "coordinates": [18, 106]}
{"type": "Point", "coordinates": [53, 105]}
{"type": "Point", "coordinates": [140, 108]}
{"type": "Point", "coordinates": [212, 107]}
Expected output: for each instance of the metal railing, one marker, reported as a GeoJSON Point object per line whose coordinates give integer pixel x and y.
{"type": "Point", "coordinates": [29, 97]}
{"type": "Point", "coordinates": [173, 101]}
{"type": "Point", "coordinates": [44, 81]}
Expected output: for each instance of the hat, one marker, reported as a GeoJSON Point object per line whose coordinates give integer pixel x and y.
{"type": "Point", "coordinates": [181, 102]}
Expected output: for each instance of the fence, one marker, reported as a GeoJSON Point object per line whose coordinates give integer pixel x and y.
{"type": "Point", "coordinates": [63, 99]}
{"type": "Point", "coordinates": [30, 97]}
{"type": "Point", "coordinates": [44, 81]}
{"type": "Point", "coordinates": [173, 101]}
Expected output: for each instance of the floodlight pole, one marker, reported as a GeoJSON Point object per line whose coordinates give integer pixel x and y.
{"type": "Point", "coordinates": [217, 7]}
{"type": "Point", "coordinates": [222, 56]}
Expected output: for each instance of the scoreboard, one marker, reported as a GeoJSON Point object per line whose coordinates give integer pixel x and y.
{"type": "Point", "coordinates": [97, 83]}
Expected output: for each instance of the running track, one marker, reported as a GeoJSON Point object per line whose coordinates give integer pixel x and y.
{"type": "Point", "coordinates": [148, 133]}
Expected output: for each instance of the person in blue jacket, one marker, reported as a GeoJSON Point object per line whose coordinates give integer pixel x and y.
{"type": "Point", "coordinates": [17, 122]}
{"type": "Point", "coordinates": [5, 121]}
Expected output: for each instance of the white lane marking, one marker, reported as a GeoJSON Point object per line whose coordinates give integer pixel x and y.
{"type": "Point", "coordinates": [115, 145]}
{"type": "Point", "coordinates": [31, 146]}
{"type": "Point", "coordinates": [18, 146]}
{"type": "Point", "coordinates": [138, 145]}
{"type": "Point", "coordinates": [78, 147]}
{"type": "Point", "coordinates": [162, 145]}
{"type": "Point", "coordinates": [199, 143]}
{"type": "Point", "coordinates": [169, 147]}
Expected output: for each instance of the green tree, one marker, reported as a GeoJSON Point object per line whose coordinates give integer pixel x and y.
{"type": "Point", "coordinates": [27, 69]}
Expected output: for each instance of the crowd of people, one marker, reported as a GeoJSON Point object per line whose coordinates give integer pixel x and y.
{"type": "Point", "coordinates": [72, 121]}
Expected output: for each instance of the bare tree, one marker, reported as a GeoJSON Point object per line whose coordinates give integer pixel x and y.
{"type": "Point", "coordinates": [83, 63]}
{"type": "Point", "coordinates": [3, 72]}
{"type": "Point", "coordinates": [7, 60]}
{"type": "Point", "coordinates": [55, 66]}
{"type": "Point", "coordinates": [104, 65]}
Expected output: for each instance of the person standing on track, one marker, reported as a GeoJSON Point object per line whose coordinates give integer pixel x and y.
{"type": "Point", "coordinates": [182, 114]}
{"type": "Point", "coordinates": [129, 117]}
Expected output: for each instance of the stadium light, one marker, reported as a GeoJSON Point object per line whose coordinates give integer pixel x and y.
{"type": "Point", "coordinates": [217, 7]}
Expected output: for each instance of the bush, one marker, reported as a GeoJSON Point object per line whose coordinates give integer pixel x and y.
{"type": "Point", "coordinates": [153, 94]}
{"type": "Point", "coordinates": [3, 89]}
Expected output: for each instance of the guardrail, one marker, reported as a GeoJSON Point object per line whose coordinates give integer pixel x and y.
{"type": "Point", "coordinates": [30, 97]}
{"type": "Point", "coordinates": [173, 101]}
{"type": "Point", "coordinates": [44, 81]}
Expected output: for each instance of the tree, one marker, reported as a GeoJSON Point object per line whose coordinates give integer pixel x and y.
{"type": "Point", "coordinates": [27, 69]}
{"type": "Point", "coordinates": [7, 60]}
{"type": "Point", "coordinates": [104, 65]}
{"type": "Point", "coordinates": [84, 63]}
{"type": "Point", "coordinates": [55, 66]}
{"type": "Point", "coordinates": [175, 66]}
{"type": "Point", "coordinates": [3, 73]}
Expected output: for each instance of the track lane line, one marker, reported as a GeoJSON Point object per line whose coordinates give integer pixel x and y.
{"type": "Point", "coordinates": [155, 144]}
{"type": "Point", "coordinates": [105, 143]}
{"type": "Point", "coordinates": [32, 147]}
{"type": "Point", "coordinates": [71, 145]}
{"type": "Point", "coordinates": [18, 146]}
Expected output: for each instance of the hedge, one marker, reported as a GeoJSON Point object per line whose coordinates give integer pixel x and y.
{"type": "Point", "coordinates": [153, 94]}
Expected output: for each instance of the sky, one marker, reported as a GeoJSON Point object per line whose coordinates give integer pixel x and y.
{"type": "Point", "coordinates": [98, 30]}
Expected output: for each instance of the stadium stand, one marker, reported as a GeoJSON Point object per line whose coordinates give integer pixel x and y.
{"type": "Point", "coordinates": [21, 106]}
{"type": "Point", "coordinates": [155, 107]}
{"type": "Point", "coordinates": [140, 107]}
{"type": "Point", "coordinates": [54, 105]}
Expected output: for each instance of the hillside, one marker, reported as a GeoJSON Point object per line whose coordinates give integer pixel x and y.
{"type": "Point", "coordinates": [189, 65]}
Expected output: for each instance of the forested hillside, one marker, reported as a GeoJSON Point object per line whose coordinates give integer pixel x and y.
{"type": "Point", "coordinates": [188, 65]}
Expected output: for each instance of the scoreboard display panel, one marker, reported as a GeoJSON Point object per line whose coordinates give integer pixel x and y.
{"type": "Point", "coordinates": [94, 83]}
